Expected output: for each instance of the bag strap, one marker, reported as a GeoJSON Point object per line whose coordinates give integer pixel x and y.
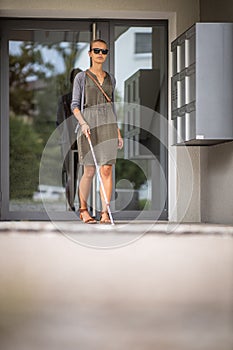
{"type": "Point", "coordinates": [99, 86]}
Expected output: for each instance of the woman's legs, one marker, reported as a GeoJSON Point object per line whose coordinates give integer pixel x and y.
{"type": "Point", "coordinates": [85, 186]}
{"type": "Point", "coordinates": [106, 175]}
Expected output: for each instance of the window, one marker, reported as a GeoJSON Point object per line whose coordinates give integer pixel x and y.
{"type": "Point", "coordinates": [143, 42]}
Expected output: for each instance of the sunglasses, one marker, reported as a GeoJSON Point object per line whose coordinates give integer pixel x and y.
{"type": "Point", "coordinates": [96, 51]}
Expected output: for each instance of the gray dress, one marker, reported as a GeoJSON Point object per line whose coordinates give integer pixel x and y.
{"type": "Point", "coordinates": [99, 115]}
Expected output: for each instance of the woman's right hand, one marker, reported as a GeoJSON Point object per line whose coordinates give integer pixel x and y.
{"type": "Point", "coordinates": [85, 129]}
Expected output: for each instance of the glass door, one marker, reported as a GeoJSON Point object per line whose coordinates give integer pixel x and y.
{"type": "Point", "coordinates": [140, 66]}
{"type": "Point", "coordinates": [37, 58]}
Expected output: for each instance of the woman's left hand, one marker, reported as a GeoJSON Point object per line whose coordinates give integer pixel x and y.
{"type": "Point", "coordinates": [120, 140]}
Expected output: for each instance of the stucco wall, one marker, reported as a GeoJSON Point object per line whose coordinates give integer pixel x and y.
{"type": "Point", "coordinates": [187, 11]}
{"type": "Point", "coordinates": [217, 161]}
{"type": "Point", "coordinates": [217, 184]}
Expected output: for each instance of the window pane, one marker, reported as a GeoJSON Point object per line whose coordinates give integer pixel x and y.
{"type": "Point", "coordinates": [141, 75]}
{"type": "Point", "coordinates": [143, 42]}
{"type": "Point", "coordinates": [39, 72]}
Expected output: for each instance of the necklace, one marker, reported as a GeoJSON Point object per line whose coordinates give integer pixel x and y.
{"type": "Point", "coordinates": [100, 77]}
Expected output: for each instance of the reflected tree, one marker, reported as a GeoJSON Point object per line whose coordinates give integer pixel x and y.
{"type": "Point", "coordinates": [34, 86]}
{"type": "Point", "coordinates": [25, 151]}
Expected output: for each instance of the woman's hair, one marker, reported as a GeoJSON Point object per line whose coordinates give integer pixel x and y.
{"type": "Point", "coordinates": [95, 41]}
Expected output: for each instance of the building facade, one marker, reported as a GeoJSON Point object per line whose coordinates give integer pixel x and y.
{"type": "Point", "coordinates": [199, 179]}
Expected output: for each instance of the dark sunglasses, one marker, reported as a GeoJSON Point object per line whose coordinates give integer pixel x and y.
{"type": "Point", "coordinates": [96, 51]}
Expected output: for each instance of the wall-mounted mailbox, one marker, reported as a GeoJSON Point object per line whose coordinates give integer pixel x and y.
{"type": "Point", "coordinates": [202, 85]}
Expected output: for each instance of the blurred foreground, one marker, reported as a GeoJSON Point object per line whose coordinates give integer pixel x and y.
{"type": "Point", "coordinates": [163, 291]}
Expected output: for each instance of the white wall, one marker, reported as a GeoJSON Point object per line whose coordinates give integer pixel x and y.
{"type": "Point", "coordinates": [217, 184]}
{"type": "Point", "coordinates": [126, 62]}
{"type": "Point", "coordinates": [217, 161]}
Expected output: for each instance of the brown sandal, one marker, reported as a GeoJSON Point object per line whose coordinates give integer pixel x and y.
{"type": "Point", "coordinates": [87, 221]}
{"type": "Point", "coordinates": [106, 220]}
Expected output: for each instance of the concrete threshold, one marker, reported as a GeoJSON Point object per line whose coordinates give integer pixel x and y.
{"type": "Point", "coordinates": [134, 227]}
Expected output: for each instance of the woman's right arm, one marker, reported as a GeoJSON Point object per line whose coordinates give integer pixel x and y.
{"type": "Point", "coordinates": [84, 126]}
{"type": "Point", "coordinates": [76, 103]}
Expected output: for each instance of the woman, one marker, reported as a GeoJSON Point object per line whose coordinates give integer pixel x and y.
{"type": "Point", "coordinates": [97, 119]}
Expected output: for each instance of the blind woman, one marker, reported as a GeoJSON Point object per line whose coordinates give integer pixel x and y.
{"type": "Point", "coordinates": [97, 119]}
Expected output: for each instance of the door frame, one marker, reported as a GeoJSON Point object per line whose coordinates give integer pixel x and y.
{"type": "Point", "coordinates": [106, 28]}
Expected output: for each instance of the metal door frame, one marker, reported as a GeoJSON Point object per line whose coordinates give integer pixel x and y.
{"type": "Point", "coordinates": [103, 28]}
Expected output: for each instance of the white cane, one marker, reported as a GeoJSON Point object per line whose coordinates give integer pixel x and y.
{"type": "Point", "coordinates": [100, 179]}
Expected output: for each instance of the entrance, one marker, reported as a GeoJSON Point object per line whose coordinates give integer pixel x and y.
{"type": "Point", "coordinates": [36, 59]}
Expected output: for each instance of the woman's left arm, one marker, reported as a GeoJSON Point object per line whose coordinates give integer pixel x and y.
{"type": "Point", "coordinates": [120, 139]}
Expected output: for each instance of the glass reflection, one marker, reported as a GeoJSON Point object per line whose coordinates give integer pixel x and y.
{"type": "Point", "coordinates": [39, 73]}
{"type": "Point", "coordinates": [141, 74]}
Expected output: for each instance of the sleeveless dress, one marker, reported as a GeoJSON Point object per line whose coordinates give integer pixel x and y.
{"type": "Point", "coordinates": [99, 115]}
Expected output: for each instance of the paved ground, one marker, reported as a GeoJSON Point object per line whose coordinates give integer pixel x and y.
{"type": "Point", "coordinates": [139, 286]}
